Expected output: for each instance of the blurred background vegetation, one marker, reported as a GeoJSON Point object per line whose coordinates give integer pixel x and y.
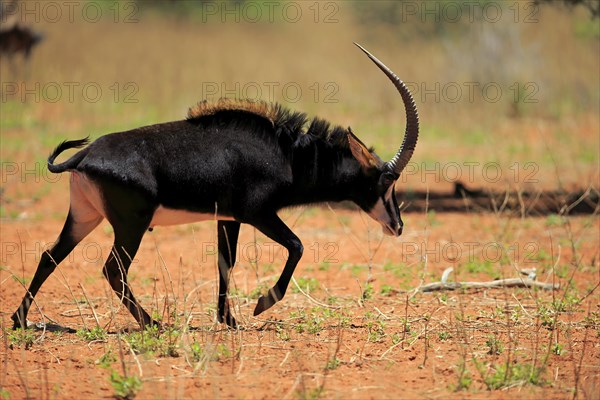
{"type": "Point", "coordinates": [495, 81]}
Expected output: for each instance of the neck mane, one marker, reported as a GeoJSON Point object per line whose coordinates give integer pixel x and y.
{"type": "Point", "coordinates": [323, 167]}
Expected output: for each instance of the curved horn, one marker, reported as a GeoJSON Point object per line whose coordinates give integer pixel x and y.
{"type": "Point", "coordinates": [411, 134]}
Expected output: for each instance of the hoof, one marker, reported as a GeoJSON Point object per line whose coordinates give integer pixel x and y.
{"type": "Point", "coordinates": [224, 314]}
{"type": "Point", "coordinates": [17, 322]}
{"type": "Point", "coordinates": [228, 320]}
{"type": "Point", "coordinates": [266, 302]}
{"type": "Point", "coordinates": [18, 325]}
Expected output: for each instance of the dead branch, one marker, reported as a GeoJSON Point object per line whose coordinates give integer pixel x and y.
{"type": "Point", "coordinates": [511, 282]}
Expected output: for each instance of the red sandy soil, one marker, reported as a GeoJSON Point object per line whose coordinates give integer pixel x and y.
{"type": "Point", "coordinates": [330, 343]}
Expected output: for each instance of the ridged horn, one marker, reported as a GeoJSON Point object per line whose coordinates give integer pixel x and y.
{"type": "Point", "coordinates": [411, 134]}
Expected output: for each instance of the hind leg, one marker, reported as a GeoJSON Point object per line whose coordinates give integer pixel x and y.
{"type": "Point", "coordinates": [74, 230]}
{"type": "Point", "coordinates": [127, 241]}
{"type": "Point", "coordinates": [130, 213]}
{"type": "Point", "coordinates": [82, 219]}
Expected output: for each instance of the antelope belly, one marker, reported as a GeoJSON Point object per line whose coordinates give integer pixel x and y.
{"type": "Point", "coordinates": [169, 216]}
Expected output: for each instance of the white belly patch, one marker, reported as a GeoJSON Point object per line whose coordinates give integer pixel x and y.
{"type": "Point", "coordinates": [168, 216]}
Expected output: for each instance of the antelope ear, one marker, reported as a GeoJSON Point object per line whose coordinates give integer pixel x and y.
{"type": "Point", "coordinates": [361, 153]}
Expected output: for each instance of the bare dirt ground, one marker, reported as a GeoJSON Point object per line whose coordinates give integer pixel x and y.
{"type": "Point", "coordinates": [357, 329]}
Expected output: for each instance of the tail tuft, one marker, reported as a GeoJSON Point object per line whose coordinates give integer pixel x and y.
{"type": "Point", "coordinates": [65, 145]}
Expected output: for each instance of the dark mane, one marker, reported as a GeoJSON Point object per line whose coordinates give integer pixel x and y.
{"type": "Point", "coordinates": [297, 125]}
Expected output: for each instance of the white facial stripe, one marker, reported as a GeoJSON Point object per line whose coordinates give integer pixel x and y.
{"type": "Point", "coordinates": [380, 213]}
{"type": "Point", "coordinates": [389, 193]}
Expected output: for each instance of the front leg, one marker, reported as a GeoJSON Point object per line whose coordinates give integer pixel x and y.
{"type": "Point", "coordinates": [275, 229]}
{"type": "Point", "coordinates": [228, 232]}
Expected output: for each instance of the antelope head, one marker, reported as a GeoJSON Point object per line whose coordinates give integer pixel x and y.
{"type": "Point", "coordinates": [380, 202]}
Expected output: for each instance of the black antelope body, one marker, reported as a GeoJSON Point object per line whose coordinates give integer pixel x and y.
{"type": "Point", "coordinates": [18, 39]}
{"type": "Point", "coordinates": [236, 161]}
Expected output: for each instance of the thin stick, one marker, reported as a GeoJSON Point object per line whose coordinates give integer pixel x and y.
{"type": "Point", "coordinates": [499, 283]}
{"type": "Point", "coordinates": [90, 304]}
{"type": "Point", "coordinates": [317, 302]}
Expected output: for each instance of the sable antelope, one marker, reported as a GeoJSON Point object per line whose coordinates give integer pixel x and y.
{"type": "Point", "coordinates": [233, 161]}
{"type": "Point", "coordinates": [18, 40]}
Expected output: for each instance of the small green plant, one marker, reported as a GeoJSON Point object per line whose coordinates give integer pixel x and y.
{"type": "Point", "coordinates": [547, 316]}
{"type": "Point", "coordinates": [152, 340]}
{"type": "Point", "coordinates": [557, 349]}
{"type": "Point", "coordinates": [312, 394]}
{"type": "Point", "coordinates": [344, 320]}
{"type": "Point", "coordinates": [268, 268]}
{"type": "Point", "coordinates": [464, 381]}
{"type": "Point", "coordinates": [324, 266]}
{"type": "Point", "coordinates": [554, 220]}
{"type": "Point", "coordinates": [431, 218]}
{"type": "Point", "coordinates": [375, 327]}
{"type": "Point", "coordinates": [282, 333]}
{"type": "Point", "coordinates": [258, 291]}
{"type": "Point", "coordinates": [566, 304]}
{"type": "Point", "coordinates": [220, 351]}
{"type": "Point", "coordinates": [515, 315]}
{"type": "Point", "coordinates": [396, 338]}
{"type": "Point", "coordinates": [308, 285]}
{"type": "Point", "coordinates": [332, 364]}
{"type": "Point", "coordinates": [375, 335]}
{"type": "Point", "coordinates": [540, 256]}
{"type": "Point", "coordinates": [443, 336]}
{"type": "Point", "coordinates": [21, 338]}
{"type": "Point", "coordinates": [312, 323]}
{"type": "Point", "coordinates": [355, 269]}
{"type": "Point", "coordinates": [400, 270]}
{"type": "Point", "coordinates": [235, 292]}
{"type": "Point", "coordinates": [148, 281]}
{"type": "Point", "coordinates": [196, 351]}
{"type": "Point", "coordinates": [368, 292]}
{"type": "Point", "coordinates": [592, 321]}
{"type": "Point", "coordinates": [515, 375]}
{"type": "Point", "coordinates": [494, 345]}
{"type": "Point", "coordinates": [214, 353]}
{"type": "Point", "coordinates": [126, 387]}
{"type": "Point", "coordinates": [24, 280]}
{"type": "Point", "coordinates": [4, 394]}
{"type": "Point", "coordinates": [484, 266]}
{"type": "Point", "coordinates": [406, 324]}
{"type": "Point", "coordinates": [96, 333]}
{"type": "Point", "coordinates": [464, 377]}
{"type": "Point", "coordinates": [562, 271]}
{"type": "Point", "coordinates": [106, 359]}
{"type": "Point", "coordinates": [386, 290]}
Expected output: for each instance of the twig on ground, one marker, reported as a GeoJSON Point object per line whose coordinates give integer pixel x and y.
{"type": "Point", "coordinates": [510, 282]}
{"type": "Point", "coordinates": [497, 283]}
{"type": "Point", "coordinates": [317, 302]}
{"type": "Point", "coordinates": [91, 306]}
